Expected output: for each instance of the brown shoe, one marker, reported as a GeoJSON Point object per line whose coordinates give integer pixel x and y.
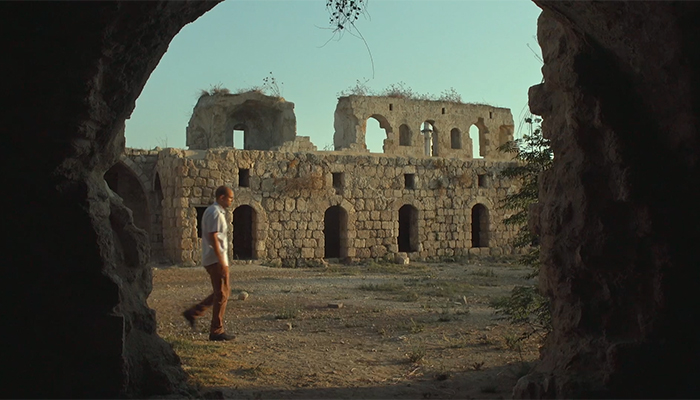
{"type": "Point", "coordinates": [190, 318]}
{"type": "Point", "coordinates": [221, 337]}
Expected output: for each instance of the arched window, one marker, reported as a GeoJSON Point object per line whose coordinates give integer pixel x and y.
{"type": "Point", "coordinates": [377, 129]}
{"type": "Point", "coordinates": [335, 232]}
{"type": "Point", "coordinates": [455, 138]}
{"type": "Point", "coordinates": [430, 135]}
{"type": "Point", "coordinates": [404, 135]}
{"type": "Point", "coordinates": [408, 229]}
{"type": "Point", "coordinates": [474, 135]}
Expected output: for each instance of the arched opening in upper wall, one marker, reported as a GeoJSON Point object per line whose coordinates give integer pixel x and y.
{"type": "Point", "coordinates": [248, 127]}
{"type": "Point", "coordinates": [377, 130]}
{"type": "Point", "coordinates": [236, 138]}
{"type": "Point", "coordinates": [455, 138]}
{"type": "Point", "coordinates": [404, 135]}
{"type": "Point", "coordinates": [474, 137]}
{"type": "Point", "coordinates": [124, 182]}
{"type": "Point", "coordinates": [430, 138]}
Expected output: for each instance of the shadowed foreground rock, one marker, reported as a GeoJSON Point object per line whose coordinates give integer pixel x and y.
{"type": "Point", "coordinates": [619, 216]}
{"type": "Point", "coordinates": [76, 273]}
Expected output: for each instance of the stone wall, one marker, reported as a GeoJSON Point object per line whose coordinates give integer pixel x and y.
{"type": "Point", "coordinates": [134, 178]}
{"type": "Point", "coordinates": [266, 121]}
{"type": "Point", "coordinates": [403, 119]}
{"type": "Point", "coordinates": [299, 144]}
{"type": "Point", "coordinates": [289, 195]}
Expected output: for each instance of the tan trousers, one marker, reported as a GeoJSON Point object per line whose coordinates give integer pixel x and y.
{"type": "Point", "coordinates": [217, 300]}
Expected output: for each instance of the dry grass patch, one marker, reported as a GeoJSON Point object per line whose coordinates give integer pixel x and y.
{"type": "Point", "coordinates": [399, 324]}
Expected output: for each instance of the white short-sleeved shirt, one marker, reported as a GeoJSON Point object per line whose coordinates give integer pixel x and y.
{"type": "Point", "coordinates": [214, 220]}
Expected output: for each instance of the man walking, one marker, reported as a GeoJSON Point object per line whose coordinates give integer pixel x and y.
{"type": "Point", "coordinates": [215, 261]}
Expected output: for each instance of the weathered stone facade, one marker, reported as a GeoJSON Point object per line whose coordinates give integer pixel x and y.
{"type": "Point", "coordinates": [403, 120]}
{"type": "Point", "coordinates": [267, 122]}
{"type": "Point", "coordinates": [289, 196]}
{"type": "Point", "coordinates": [295, 204]}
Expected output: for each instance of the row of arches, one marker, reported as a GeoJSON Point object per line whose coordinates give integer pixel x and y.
{"type": "Point", "coordinates": [245, 224]}
{"type": "Point", "coordinates": [335, 230]}
{"type": "Point", "coordinates": [377, 128]}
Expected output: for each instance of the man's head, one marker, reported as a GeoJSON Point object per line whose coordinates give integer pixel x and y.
{"type": "Point", "coordinates": [224, 196]}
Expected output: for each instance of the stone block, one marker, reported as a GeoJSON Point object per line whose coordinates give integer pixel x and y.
{"type": "Point", "coordinates": [401, 259]}
{"type": "Point", "coordinates": [289, 204]}
{"type": "Point", "coordinates": [307, 252]}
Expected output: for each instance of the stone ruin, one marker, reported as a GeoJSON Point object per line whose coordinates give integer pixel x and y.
{"type": "Point", "coordinates": [618, 213]}
{"type": "Point", "coordinates": [424, 196]}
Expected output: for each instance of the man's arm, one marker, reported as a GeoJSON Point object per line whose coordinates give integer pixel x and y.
{"type": "Point", "coordinates": [217, 248]}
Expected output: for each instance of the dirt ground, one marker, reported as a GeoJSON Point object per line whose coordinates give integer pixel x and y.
{"type": "Point", "coordinates": [378, 330]}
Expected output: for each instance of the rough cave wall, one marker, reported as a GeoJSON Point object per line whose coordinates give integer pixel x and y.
{"type": "Point", "coordinates": [619, 209]}
{"type": "Point", "coordinates": [495, 125]}
{"type": "Point", "coordinates": [77, 291]}
{"type": "Point", "coordinates": [142, 163]}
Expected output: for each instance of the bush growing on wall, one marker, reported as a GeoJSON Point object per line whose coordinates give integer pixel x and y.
{"type": "Point", "coordinates": [399, 90]}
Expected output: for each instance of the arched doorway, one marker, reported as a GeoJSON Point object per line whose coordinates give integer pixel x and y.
{"type": "Point", "coordinates": [408, 229]}
{"type": "Point", "coordinates": [122, 180]}
{"type": "Point", "coordinates": [335, 231]}
{"type": "Point", "coordinates": [480, 226]}
{"type": "Point", "coordinates": [244, 223]}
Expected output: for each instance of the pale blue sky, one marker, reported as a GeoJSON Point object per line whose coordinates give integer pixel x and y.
{"type": "Point", "coordinates": [478, 47]}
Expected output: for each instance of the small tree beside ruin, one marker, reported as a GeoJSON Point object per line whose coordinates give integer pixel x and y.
{"type": "Point", "coordinates": [533, 153]}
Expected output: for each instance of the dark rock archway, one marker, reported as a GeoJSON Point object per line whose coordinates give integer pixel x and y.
{"type": "Point", "coordinates": [77, 294]}
{"type": "Point", "coordinates": [125, 183]}
{"type": "Point", "coordinates": [619, 219]}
